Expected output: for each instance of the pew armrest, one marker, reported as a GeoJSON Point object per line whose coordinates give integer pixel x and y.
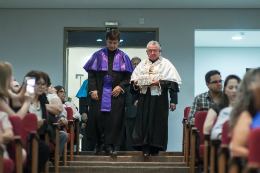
{"type": "Point", "coordinates": [216, 142]}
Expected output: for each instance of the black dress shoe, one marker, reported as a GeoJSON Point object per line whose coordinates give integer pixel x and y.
{"type": "Point", "coordinates": [98, 149]}
{"type": "Point", "coordinates": [146, 154]}
{"type": "Point", "coordinates": [146, 151]}
{"type": "Point", "coordinates": [110, 151]}
{"type": "Point", "coordinates": [154, 154]}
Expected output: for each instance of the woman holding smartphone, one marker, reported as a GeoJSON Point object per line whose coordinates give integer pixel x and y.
{"type": "Point", "coordinates": [38, 107]}
{"type": "Point", "coordinates": [21, 100]}
{"type": "Point", "coordinates": [26, 102]}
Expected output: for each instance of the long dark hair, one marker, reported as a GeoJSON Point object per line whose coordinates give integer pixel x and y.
{"type": "Point", "coordinates": [224, 99]}
{"type": "Point", "coordinates": [245, 97]}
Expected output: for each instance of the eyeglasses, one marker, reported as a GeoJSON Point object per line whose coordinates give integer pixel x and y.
{"type": "Point", "coordinates": [62, 92]}
{"type": "Point", "coordinates": [41, 84]}
{"type": "Point", "coordinates": [151, 51]}
{"type": "Point", "coordinates": [215, 82]}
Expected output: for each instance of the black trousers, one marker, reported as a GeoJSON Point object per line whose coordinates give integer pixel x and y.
{"type": "Point", "coordinates": [129, 123]}
{"type": "Point", "coordinates": [43, 154]}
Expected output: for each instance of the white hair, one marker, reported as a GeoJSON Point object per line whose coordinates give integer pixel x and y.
{"type": "Point", "coordinates": [153, 43]}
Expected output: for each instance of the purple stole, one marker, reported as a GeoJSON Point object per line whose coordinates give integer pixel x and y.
{"type": "Point", "coordinates": [99, 62]}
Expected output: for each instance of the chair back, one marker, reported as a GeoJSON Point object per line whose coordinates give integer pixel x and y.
{"type": "Point", "coordinates": [17, 130]}
{"type": "Point", "coordinates": [200, 117]}
{"type": "Point", "coordinates": [186, 112]}
{"type": "Point", "coordinates": [69, 113]}
{"type": "Point", "coordinates": [253, 147]}
{"type": "Point", "coordinates": [29, 124]}
{"type": "Point", "coordinates": [225, 139]}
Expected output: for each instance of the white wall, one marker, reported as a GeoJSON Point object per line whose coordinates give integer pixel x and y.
{"type": "Point", "coordinates": [227, 60]}
{"type": "Point", "coordinates": [33, 38]}
{"type": "Point", "coordinates": [77, 58]}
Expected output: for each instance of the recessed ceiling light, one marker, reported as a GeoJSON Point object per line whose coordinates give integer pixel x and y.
{"type": "Point", "coordinates": [121, 40]}
{"type": "Point", "coordinates": [236, 38]}
{"type": "Point", "coordinates": [99, 39]}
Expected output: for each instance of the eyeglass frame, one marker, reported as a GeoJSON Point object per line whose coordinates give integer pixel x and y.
{"type": "Point", "coordinates": [151, 51]}
{"type": "Point", "coordinates": [40, 84]}
{"type": "Point", "coordinates": [63, 92]}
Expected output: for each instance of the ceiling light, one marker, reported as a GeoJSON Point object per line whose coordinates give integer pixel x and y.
{"type": "Point", "coordinates": [121, 40]}
{"type": "Point", "coordinates": [236, 38]}
{"type": "Point", "coordinates": [99, 39]}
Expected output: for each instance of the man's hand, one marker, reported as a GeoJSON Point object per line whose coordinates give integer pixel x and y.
{"type": "Point", "coordinates": [39, 122]}
{"type": "Point", "coordinates": [83, 125]}
{"type": "Point", "coordinates": [135, 103]}
{"type": "Point", "coordinates": [135, 82]}
{"type": "Point", "coordinates": [63, 121]}
{"type": "Point", "coordinates": [155, 82]}
{"type": "Point", "coordinates": [94, 95]}
{"type": "Point", "coordinates": [84, 117]}
{"type": "Point", "coordinates": [80, 136]}
{"type": "Point", "coordinates": [116, 91]}
{"type": "Point", "coordinates": [172, 106]}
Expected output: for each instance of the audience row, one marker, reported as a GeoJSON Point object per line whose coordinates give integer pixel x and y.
{"type": "Point", "coordinates": [238, 105]}
{"type": "Point", "coordinates": [45, 101]}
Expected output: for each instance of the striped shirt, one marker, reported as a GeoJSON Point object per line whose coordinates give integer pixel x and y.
{"type": "Point", "coordinates": [202, 102]}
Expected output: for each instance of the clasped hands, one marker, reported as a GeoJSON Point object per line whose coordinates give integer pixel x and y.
{"type": "Point", "coordinates": [116, 91]}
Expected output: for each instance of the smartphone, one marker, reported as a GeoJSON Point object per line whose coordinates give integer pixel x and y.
{"type": "Point", "coordinates": [30, 85]}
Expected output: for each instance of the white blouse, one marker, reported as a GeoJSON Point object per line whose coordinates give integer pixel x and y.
{"type": "Point", "coordinates": [36, 110]}
{"type": "Point", "coordinates": [4, 125]}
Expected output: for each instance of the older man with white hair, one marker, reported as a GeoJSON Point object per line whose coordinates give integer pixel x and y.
{"type": "Point", "coordinates": [151, 80]}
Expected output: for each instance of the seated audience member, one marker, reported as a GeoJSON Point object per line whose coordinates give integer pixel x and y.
{"type": "Point", "coordinates": [55, 101]}
{"type": "Point", "coordinates": [38, 107]}
{"type": "Point", "coordinates": [19, 103]}
{"type": "Point", "coordinates": [7, 134]}
{"type": "Point", "coordinates": [227, 100]}
{"type": "Point", "coordinates": [62, 95]}
{"type": "Point", "coordinates": [243, 114]}
{"type": "Point", "coordinates": [202, 102]}
{"type": "Point", "coordinates": [15, 87]}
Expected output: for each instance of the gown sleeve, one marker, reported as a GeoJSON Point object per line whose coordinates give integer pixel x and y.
{"type": "Point", "coordinates": [170, 85]}
{"type": "Point", "coordinates": [174, 97]}
{"type": "Point", "coordinates": [134, 90]}
{"type": "Point", "coordinates": [173, 89]}
{"type": "Point", "coordinates": [92, 81]}
{"type": "Point", "coordinates": [125, 83]}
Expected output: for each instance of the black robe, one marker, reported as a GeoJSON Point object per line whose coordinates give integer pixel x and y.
{"type": "Point", "coordinates": [107, 127]}
{"type": "Point", "coordinates": [151, 125]}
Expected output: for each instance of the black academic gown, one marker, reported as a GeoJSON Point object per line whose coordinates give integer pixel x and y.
{"type": "Point", "coordinates": [84, 103]}
{"type": "Point", "coordinates": [151, 124]}
{"type": "Point", "coordinates": [108, 127]}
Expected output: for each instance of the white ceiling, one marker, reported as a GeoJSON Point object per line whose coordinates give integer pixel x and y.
{"type": "Point", "coordinates": [129, 3]}
{"type": "Point", "coordinates": [223, 38]}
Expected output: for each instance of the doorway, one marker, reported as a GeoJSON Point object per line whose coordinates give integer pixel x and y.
{"type": "Point", "coordinates": [228, 51]}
